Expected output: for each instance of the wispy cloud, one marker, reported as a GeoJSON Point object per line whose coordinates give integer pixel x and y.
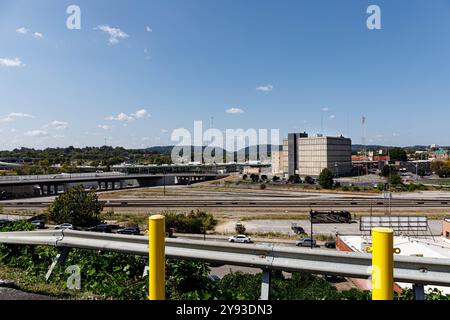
{"type": "Point", "coordinates": [104, 126]}
{"type": "Point", "coordinates": [325, 109]}
{"type": "Point", "coordinates": [234, 111]}
{"type": "Point", "coordinates": [332, 117]}
{"type": "Point", "coordinates": [123, 117]}
{"type": "Point", "coordinates": [14, 115]}
{"type": "Point", "coordinates": [266, 88]}
{"type": "Point", "coordinates": [15, 62]}
{"type": "Point", "coordinates": [57, 125]}
{"type": "Point", "coordinates": [120, 117]}
{"type": "Point", "coordinates": [115, 34]}
{"type": "Point", "coordinates": [37, 133]}
{"type": "Point", "coordinates": [22, 30]}
{"type": "Point", "coordinates": [148, 29]}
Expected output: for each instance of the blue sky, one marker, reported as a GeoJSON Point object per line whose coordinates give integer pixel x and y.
{"type": "Point", "coordinates": [284, 64]}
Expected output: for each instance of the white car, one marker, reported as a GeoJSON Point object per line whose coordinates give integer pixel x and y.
{"type": "Point", "coordinates": [240, 238]}
{"type": "Point", "coordinates": [64, 226]}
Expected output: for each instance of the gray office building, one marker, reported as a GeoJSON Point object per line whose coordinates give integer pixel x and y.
{"type": "Point", "coordinates": [308, 156]}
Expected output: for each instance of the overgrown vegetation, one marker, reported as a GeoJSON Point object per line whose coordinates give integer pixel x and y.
{"type": "Point", "coordinates": [192, 222]}
{"type": "Point", "coordinates": [76, 206]}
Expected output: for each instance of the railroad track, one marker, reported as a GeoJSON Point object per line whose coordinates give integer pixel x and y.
{"type": "Point", "coordinates": [281, 203]}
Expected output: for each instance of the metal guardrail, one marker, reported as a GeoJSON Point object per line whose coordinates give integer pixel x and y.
{"type": "Point", "coordinates": [416, 270]}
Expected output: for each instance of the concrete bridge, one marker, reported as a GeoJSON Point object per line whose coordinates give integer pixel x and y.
{"type": "Point", "coordinates": [44, 185]}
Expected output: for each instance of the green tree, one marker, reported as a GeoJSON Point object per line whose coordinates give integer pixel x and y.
{"type": "Point", "coordinates": [395, 179]}
{"type": "Point", "coordinates": [295, 179]}
{"type": "Point", "coordinates": [398, 154]}
{"type": "Point", "coordinates": [326, 179]}
{"type": "Point", "coordinates": [309, 180]}
{"type": "Point", "coordinates": [76, 206]}
{"type": "Point", "coordinates": [387, 170]}
{"type": "Point", "coordinates": [240, 228]}
{"type": "Point", "coordinates": [421, 172]}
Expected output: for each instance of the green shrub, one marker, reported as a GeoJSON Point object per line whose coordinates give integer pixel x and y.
{"type": "Point", "coordinates": [193, 222]}
{"type": "Point", "coordinates": [76, 206]}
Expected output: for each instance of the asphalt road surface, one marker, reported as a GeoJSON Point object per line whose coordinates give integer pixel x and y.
{"type": "Point", "coordinates": [14, 294]}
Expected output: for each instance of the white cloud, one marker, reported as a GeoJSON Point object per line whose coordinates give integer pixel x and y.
{"type": "Point", "coordinates": [57, 125]}
{"type": "Point", "coordinates": [148, 29]}
{"type": "Point", "coordinates": [332, 117]}
{"type": "Point", "coordinates": [120, 117]}
{"type": "Point", "coordinates": [266, 88]}
{"type": "Point", "coordinates": [22, 30]}
{"type": "Point", "coordinates": [164, 131]}
{"type": "Point", "coordinates": [20, 115]}
{"type": "Point", "coordinates": [37, 133]}
{"type": "Point", "coordinates": [115, 34]}
{"type": "Point", "coordinates": [326, 109]}
{"type": "Point", "coordinates": [234, 111]}
{"type": "Point", "coordinates": [104, 126]}
{"type": "Point", "coordinates": [14, 115]}
{"type": "Point", "coordinates": [6, 62]}
{"type": "Point", "coordinates": [140, 114]}
{"type": "Point", "coordinates": [59, 136]}
{"type": "Point", "coordinates": [38, 35]}
{"type": "Point", "coordinates": [123, 117]}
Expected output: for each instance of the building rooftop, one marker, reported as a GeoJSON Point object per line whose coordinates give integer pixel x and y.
{"type": "Point", "coordinates": [437, 247]}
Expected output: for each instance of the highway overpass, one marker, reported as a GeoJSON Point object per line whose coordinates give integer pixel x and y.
{"type": "Point", "coordinates": [44, 185]}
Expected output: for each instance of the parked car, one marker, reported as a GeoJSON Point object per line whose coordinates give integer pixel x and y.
{"type": "Point", "coordinates": [306, 242]}
{"type": "Point", "coordinates": [64, 226]}
{"type": "Point", "coordinates": [4, 222]}
{"type": "Point", "coordinates": [105, 228]}
{"type": "Point", "coordinates": [214, 277]}
{"type": "Point", "coordinates": [330, 244]}
{"type": "Point", "coordinates": [38, 224]}
{"type": "Point", "coordinates": [130, 230]}
{"type": "Point", "coordinates": [240, 238]}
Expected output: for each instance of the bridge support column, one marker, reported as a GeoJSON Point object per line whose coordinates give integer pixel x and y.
{"type": "Point", "coordinates": [419, 292]}
{"type": "Point", "coordinates": [265, 285]}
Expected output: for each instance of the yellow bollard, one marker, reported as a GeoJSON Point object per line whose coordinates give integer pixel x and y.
{"type": "Point", "coordinates": [156, 257]}
{"type": "Point", "coordinates": [382, 264]}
